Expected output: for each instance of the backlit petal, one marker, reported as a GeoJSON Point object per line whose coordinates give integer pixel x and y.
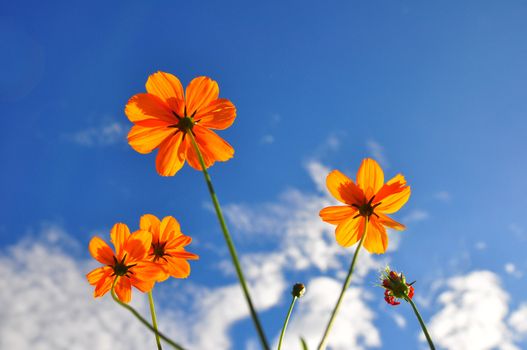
{"type": "Point", "coordinates": [348, 231]}
{"type": "Point", "coordinates": [96, 275]}
{"type": "Point", "coordinates": [178, 268]}
{"type": "Point", "coordinates": [338, 213]}
{"type": "Point", "coordinates": [178, 242]}
{"type": "Point", "coordinates": [119, 235]}
{"type": "Point", "coordinates": [211, 145]}
{"type": "Point", "coordinates": [104, 285]}
{"type": "Point", "coordinates": [219, 114]}
{"type": "Point", "coordinates": [138, 245]}
{"type": "Point", "coordinates": [343, 188]}
{"type": "Point", "coordinates": [393, 202]}
{"type": "Point", "coordinates": [370, 177]}
{"type": "Point", "coordinates": [169, 229]}
{"type": "Point", "coordinates": [182, 254]}
{"type": "Point", "coordinates": [145, 139]}
{"type": "Point", "coordinates": [200, 93]}
{"type": "Point", "coordinates": [376, 241]}
{"type": "Point", "coordinates": [151, 223]}
{"type": "Point", "coordinates": [100, 251]}
{"type": "Point", "coordinates": [170, 157]}
{"type": "Point", "coordinates": [143, 286]}
{"type": "Point", "coordinates": [391, 223]}
{"type": "Point", "coordinates": [149, 110]}
{"type": "Point", "coordinates": [147, 271]}
{"type": "Point", "coordinates": [123, 289]}
{"type": "Point", "coordinates": [192, 156]}
{"type": "Point", "coordinates": [167, 87]}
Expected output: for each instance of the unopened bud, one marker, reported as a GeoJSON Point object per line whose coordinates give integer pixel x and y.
{"type": "Point", "coordinates": [298, 290]}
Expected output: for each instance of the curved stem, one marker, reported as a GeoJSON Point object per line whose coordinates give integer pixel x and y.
{"type": "Point", "coordinates": [286, 321]}
{"type": "Point", "coordinates": [142, 320]}
{"type": "Point", "coordinates": [230, 244]}
{"type": "Point", "coordinates": [422, 323]}
{"type": "Point", "coordinates": [347, 282]}
{"type": "Point", "coordinates": [154, 319]}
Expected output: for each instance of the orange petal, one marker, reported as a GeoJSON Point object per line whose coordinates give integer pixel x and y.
{"type": "Point", "coordinates": [123, 289]}
{"type": "Point", "coordinates": [370, 177]}
{"type": "Point", "coordinates": [145, 139]}
{"type": "Point", "coordinates": [150, 223]}
{"type": "Point", "coordinates": [167, 87]}
{"type": "Point", "coordinates": [119, 236]}
{"type": "Point", "coordinates": [391, 223]}
{"type": "Point", "coordinates": [149, 110]}
{"type": "Point", "coordinates": [147, 271]}
{"type": "Point", "coordinates": [219, 114]}
{"type": "Point", "coordinates": [169, 229]}
{"type": "Point", "coordinates": [211, 145]}
{"type": "Point", "coordinates": [336, 214]}
{"type": "Point", "coordinates": [170, 157]}
{"type": "Point", "coordinates": [348, 231]}
{"type": "Point", "coordinates": [178, 242]}
{"type": "Point", "coordinates": [200, 93]}
{"type": "Point", "coordinates": [143, 286]}
{"type": "Point", "coordinates": [100, 251]}
{"type": "Point", "coordinates": [343, 188]}
{"type": "Point", "coordinates": [178, 268]}
{"type": "Point", "coordinates": [392, 203]}
{"type": "Point", "coordinates": [96, 275]}
{"type": "Point", "coordinates": [376, 240]}
{"type": "Point", "coordinates": [104, 285]}
{"type": "Point", "coordinates": [138, 245]}
{"type": "Point", "coordinates": [182, 254]}
{"type": "Point", "coordinates": [192, 156]}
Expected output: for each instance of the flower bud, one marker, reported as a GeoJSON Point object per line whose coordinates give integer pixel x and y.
{"type": "Point", "coordinates": [395, 287]}
{"type": "Point", "coordinates": [298, 290]}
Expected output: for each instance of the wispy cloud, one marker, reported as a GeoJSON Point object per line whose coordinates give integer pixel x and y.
{"type": "Point", "coordinates": [376, 151]}
{"type": "Point", "coordinates": [443, 196]}
{"type": "Point", "coordinates": [104, 135]}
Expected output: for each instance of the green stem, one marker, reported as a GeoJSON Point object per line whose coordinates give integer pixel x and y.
{"type": "Point", "coordinates": [154, 319]}
{"type": "Point", "coordinates": [230, 244]}
{"type": "Point", "coordinates": [422, 323]}
{"type": "Point", "coordinates": [347, 282]}
{"type": "Point", "coordinates": [140, 318]}
{"type": "Point", "coordinates": [286, 321]}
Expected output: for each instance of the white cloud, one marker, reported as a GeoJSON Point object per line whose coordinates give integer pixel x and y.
{"type": "Point", "coordinates": [376, 151]}
{"type": "Point", "coordinates": [46, 303]}
{"type": "Point", "coordinates": [512, 270]}
{"type": "Point", "coordinates": [473, 315]}
{"type": "Point", "coordinates": [267, 139]}
{"type": "Point", "coordinates": [353, 327]}
{"type": "Point", "coordinates": [106, 134]}
{"type": "Point", "coordinates": [399, 320]}
{"type": "Point", "coordinates": [443, 196]}
{"type": "Point", "coordinates": [416, 215]}
{"type": "Point", "coordinates": [518, 321]}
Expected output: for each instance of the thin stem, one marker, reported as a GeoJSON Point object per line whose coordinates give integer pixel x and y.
{"type": "Point", "coordinates": [347, 282]}
{"type": "Point", "coordinates": [422, 323]}
{"type": "Point", "coordinates": [143, 321]}
{"type": "Point", "coordinates": [154, 319]}
{"type": "Point", "coordinates": [230, 244]}
{"type": "Point", "coordinates": [286, 321]}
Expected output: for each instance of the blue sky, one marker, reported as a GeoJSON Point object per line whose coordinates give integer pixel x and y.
{"type": "Point", "coordinates": [433, 90]}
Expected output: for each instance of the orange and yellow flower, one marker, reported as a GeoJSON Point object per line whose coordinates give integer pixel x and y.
{"type": "Point", "coordinates": [368, 199]}
{"type": "Point", "coordinates": [128, 266]}
{"type": "Point", "coordinates": [168, 246]}
{"type": "Point", "coordinates": [165, 115]}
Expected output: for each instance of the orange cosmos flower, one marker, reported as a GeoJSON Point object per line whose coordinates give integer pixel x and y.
{"type": "Point", "coordinates": [128, 264]}
{"type": "Point", "coordinates": [168, 246]}
{"type": "Point", "coordinates": [370, 198]}
{"type": "Point", "coordinates": [164, 115]}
